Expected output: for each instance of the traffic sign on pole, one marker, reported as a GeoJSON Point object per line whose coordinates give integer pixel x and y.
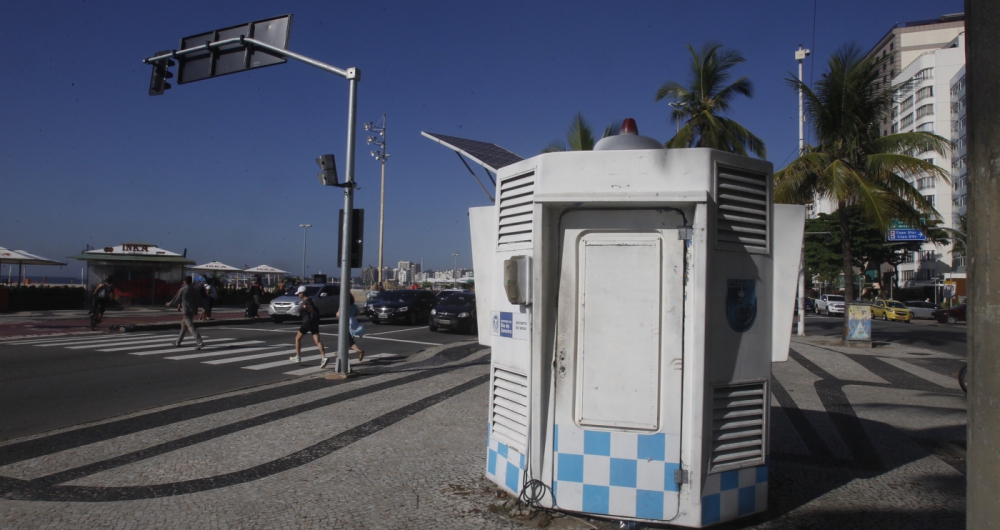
{"type": "Point", "coordinates": [901, 232]}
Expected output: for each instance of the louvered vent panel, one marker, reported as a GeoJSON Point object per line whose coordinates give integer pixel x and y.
{"type": "Point", "coordinates": [739, 423]}
{"type": "Point", "coordinates": [516, 200]}
{"type": "Point", "coordinates": [742, 216]}
{"type": "Point", "coordinates": [510, 408]}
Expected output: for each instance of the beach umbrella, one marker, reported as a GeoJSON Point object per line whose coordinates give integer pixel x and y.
{"type": "Point", "coordinates": [266, 269]}
{"type": "Point", "coordinates": [23, 258]}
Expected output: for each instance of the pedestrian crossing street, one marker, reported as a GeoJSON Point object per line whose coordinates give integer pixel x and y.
{"type": "Point", "coordinates": [252, 354]}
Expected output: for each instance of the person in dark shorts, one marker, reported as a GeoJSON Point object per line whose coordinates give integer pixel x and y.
{"type": "Point", "coordinates": [310, 324]}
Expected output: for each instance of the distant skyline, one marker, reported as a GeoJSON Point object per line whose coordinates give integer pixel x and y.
{"type": "Point", "coordinates": [224, 167]}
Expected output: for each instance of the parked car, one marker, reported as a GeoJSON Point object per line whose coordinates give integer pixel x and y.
{"type": "Point", "coordinates": [830, 304]}
{"type": "Point", "coordinates": [411, 305]}
{"type": "Point", "coordinates": [287, 306]}
{"type": "Point", "coordinates": [951, 315]}
{"type": "Point", "coordinates": [370, 303]}
{"type": "Point", "coordinates": [921, 309]}
{"type": "Point", "coordinates": [456, 310]}
{"type": "Point", "coordinates": [441, 294]}
{"type": "Point", "coordinates": [810, 305]}
{"type": "Point", "coordinates": [891, 310]}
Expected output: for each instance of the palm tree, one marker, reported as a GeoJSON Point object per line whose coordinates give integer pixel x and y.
{"type": "Point", "coordinates": [580, 136]}
{"type": "Point", "coordinates": [699, 105]}
{"type": "Point", "coordinates": [853, 165]}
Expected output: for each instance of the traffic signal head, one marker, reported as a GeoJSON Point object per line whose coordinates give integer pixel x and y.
{"type": "Point", "coordinates": [161, 72]}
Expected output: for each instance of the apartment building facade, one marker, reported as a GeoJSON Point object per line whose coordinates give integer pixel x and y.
{"type": "Point", "coordinates": [924, 103]}
{"type": "Point", "coordinates": [959, 171]}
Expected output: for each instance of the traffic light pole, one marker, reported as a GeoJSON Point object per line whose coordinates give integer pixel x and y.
{"type": "Point", "coordinates": [353, 75]}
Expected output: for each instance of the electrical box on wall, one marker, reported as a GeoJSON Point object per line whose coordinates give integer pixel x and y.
{"type": "Point", "coordinates": [517, 279]}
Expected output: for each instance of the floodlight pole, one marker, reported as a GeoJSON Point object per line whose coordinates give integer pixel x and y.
{"type": "Point", "coordinates": [353, 75]}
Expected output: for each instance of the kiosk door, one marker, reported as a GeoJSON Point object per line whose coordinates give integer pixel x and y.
{"type": "Point", "coordinates": [618, 363]}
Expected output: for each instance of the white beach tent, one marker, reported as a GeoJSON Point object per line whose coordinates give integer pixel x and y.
{"type": "Point", "coordinates": [266, 269]}
{"type": "Point", "coordinates": [214, 266]}
{"type": "Point", "coordinates": [23, 258]}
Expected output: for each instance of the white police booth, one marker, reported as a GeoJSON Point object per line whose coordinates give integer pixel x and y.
{"type": "Point", "coordinates": [634, 298]}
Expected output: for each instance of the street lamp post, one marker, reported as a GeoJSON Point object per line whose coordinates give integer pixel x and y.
{"type": "Point", "coordinates": [800, 55]}
{"type": "Point", "coordinates": [454, 272]}
{"type": "Point", "coordinates": [381, 155]}
{"type": "Point", "coordinates": [305, 230]}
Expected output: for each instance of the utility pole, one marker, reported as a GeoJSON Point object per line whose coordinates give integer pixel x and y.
{"type": "Point", "coordinates": [800, 56]}
{"type": "Point", "coordinates": [982, 85]}
{"type": "Point", "coordinates": [305, 230]}
{"type": "Point", "coordinates": [454, 272]}
{"type": "Point", "coordinates": [381, 155]}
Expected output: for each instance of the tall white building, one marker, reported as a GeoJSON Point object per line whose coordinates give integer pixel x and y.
{"type": "Point", "coordinates": [959, 174]}
{"type": "Point", "coordinates": [924, 102]}
{"type": "Point", "coordinates": [904, 42]}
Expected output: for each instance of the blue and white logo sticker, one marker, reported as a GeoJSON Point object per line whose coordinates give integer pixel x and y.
{"type": "Point", "coordinates": [506, 325]}
{"type": "Point", "coordinates": [511, 325]}
{"type": "Point", "coordinates": [741, 304]}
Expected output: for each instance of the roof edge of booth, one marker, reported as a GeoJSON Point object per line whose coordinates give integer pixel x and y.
{"type": "Point", "coordinates": [633, 198]}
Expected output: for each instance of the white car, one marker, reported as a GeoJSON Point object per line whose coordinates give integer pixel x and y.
{"type": "Point", "coordinates": [921, 309]}
{"type": "Point", "coordinates": [830, 304]}
{"type": "Point", "coordinates": [285, 307]}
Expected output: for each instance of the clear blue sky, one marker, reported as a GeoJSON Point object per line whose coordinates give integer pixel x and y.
{"type": "Point", "coordinates": [224, 167]}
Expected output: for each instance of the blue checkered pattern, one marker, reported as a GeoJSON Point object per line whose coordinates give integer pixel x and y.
{"type": "Point", "coordinates": [731, 494]}
{"type": "Point", "coordinates": [504, 465]}
{"type": "Point", "coordinates": [615, 473]}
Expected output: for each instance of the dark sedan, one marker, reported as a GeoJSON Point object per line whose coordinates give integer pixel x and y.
{"type": "Point", "coordinates": [409, 305]}
{"type": "Point", "coordinates": [951, 315]}
{"type": "Point", "coordinates": [455, 311]}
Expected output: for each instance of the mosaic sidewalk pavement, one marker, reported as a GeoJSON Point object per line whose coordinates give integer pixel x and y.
{"type": "Point", "coordinates": [859, 439]}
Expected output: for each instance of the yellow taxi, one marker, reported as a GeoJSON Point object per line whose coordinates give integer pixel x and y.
{"type": "Point", "coordinates": [891, 310]}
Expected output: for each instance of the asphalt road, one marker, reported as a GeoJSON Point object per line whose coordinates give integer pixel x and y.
{"type": "Point", "coordinates": [56, 382]}
{"type": "Point", "coordinates": [948, 338]}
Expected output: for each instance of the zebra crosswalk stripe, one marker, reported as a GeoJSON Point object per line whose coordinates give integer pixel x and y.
{"type": "Point", "coordinates": [315, 369]}
{"type": "Point", "coordinates": [217, 353]}
{"type": "Point", "coordinates": [281, 363]}
{"type": "Point", "coordinates": [156, 345]}
{"type": "Point", "coordinates": [259, 356]}
{"type": "Point", "coordinates": [68, 338]}
{"type": "Point", "coordinates": [95, 340]}
{"type": "Point", "coordinates": [121, 343]}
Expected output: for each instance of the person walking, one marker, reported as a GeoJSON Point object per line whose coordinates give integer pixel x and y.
{"type": "Point", "coordinates": [254, 298]}
{"type": "Point", "coordinates": [211, 295]}
{"type": "Point", "coordinates": [356, 330]}
{"type": "Point", "coordinates": [188, 298]}
{"type": "Point", "coordinates": [310, 324]}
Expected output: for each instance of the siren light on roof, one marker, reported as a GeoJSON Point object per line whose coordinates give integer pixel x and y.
{"type": "Point", "coordinates": [629, 127]}
{"type": "Point", "coordinates": [627, 139]}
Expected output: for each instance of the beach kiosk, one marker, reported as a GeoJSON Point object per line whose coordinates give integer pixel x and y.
{"type": "Point", "coordinates": [144, 274]}
{"type": "Point", "coordinates": [634, 298]}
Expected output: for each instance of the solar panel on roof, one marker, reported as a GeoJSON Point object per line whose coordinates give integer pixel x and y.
{"type": "Point", "coordinates": [490, 156]}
